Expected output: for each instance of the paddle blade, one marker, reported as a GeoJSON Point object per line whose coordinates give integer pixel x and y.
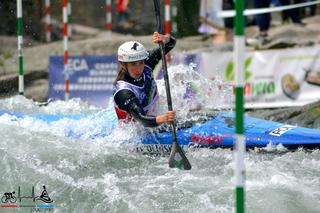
{"type": "Point", "coordinates": [177, 158]}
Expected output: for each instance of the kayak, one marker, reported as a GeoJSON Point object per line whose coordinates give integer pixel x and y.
{"type": "Point", "coordinates": [209, 131]}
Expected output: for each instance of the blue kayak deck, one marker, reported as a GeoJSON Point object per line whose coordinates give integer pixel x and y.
{"type": "Point", "coordinates": [219, 132]}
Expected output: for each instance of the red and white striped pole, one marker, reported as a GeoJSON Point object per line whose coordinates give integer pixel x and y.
{"type": "Point", "coordinates": [108, 24]}
{"type": "Point", "coordinates": [167, 24]}
{"type": "Point", "coordinates": [167, 17]}
{"type": "Point", "coordinates": [47, 16]}
{"type": "Point", "coordinates": [65, 47]}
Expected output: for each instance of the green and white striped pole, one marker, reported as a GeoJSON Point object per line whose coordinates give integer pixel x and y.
{"type": "Point", "coordinates": [174, 17]}
{"type": "Point", "coordinates": [69, 19]}
{"type": "Point", "coordinates": [20, 44]}
{"type": "Point", "coordinates": [239, 147]}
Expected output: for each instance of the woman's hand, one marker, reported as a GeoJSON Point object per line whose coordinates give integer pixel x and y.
{"type": "Point", "coordinates": [167, 117]}
{"type": "Point", "coordinates": [157, 37]}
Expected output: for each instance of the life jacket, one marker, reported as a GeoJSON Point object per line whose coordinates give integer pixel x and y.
{"type": "Point", "coordinates": [147, 94]}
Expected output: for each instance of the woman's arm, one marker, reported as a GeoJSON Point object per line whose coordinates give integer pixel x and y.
{"type": "Point", "coordinates": [127, 101]}
{"type": "Point", "coordinates": [155, 54]}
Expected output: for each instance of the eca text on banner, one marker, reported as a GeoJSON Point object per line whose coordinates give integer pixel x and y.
{"type": "Point", "coordinates": [90, 78]}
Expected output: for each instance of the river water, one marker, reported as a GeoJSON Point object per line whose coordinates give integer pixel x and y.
{"type": "Point", "coordinates": [84, 175]}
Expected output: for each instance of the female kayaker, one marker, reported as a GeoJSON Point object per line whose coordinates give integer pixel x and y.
{"type": "Point", "coordinates": [135, 91]}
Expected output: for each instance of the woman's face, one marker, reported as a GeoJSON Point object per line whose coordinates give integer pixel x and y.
{"type": "Point", "coordinates": [135, 68]}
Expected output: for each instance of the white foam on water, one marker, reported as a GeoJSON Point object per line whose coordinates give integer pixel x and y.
{"type": "Point", "coordinates": [21, 104]}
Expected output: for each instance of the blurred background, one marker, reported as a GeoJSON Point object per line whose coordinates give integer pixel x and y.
{"type": "Point", "coordinates": [92, 13]}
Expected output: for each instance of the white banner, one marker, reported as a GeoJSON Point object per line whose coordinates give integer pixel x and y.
{"type": "Point", "coordinates": [274, 78]}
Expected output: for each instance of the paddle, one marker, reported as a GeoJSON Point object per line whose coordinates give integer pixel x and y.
{"type": "Point", "coordinates": [177, 157]}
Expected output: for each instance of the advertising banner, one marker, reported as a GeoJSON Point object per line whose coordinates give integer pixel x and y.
{"type": "Point", "coordinates": [274, 78]}
{"type": "Point", "coordinates": [90, 78]}
{"type": "Point", "coordinates": [284, 77]}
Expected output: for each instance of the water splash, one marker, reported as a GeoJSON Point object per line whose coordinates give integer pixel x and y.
{"type": "Point", "coordinates": [190, 91]}
{"type": "Point", "coordinates": [20, 103]}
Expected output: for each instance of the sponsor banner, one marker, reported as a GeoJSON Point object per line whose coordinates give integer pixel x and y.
{"type": "Point", "coordinates": [274, 78]}
{"type": "Point", "coordinates": [90, 78]}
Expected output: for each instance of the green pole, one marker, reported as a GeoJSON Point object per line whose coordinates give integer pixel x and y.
{"type": "Point", "coordinates": [20, 44]}
{"type": "Point", "coordinates": [239, 146]}
{"type": "Point", "coordinates": [69, 19]}
{"type": "Point", "coordinates": [174, 17]}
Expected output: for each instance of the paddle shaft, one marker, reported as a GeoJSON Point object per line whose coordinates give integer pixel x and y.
{"type": "Point", "coordinates": [177, 157]}
{"type": "Point", "coordinates": [165, 70]}
{"type": "Point", "coordinates": [167, 86]}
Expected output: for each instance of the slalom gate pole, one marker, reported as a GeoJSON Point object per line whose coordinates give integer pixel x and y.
{"type": "Point", "coordinates": [167, 18]}
{"type": "Point", "coordinates": [239, 145]}
{"type": "Point", "coordinates": [65, 46]}
{"type": "Point", "coordinates": [47, 15]}
{"type": "Point", "coordinates": [69, 19]}
{"type": "Point", "coordinates": [167, 23]}
{"type": "Point", "coordinates": [174, 16]}
{"type": "Point", "coordinates": [108, 25]}
{"type": "Point", "coordinates": [20, 46]}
